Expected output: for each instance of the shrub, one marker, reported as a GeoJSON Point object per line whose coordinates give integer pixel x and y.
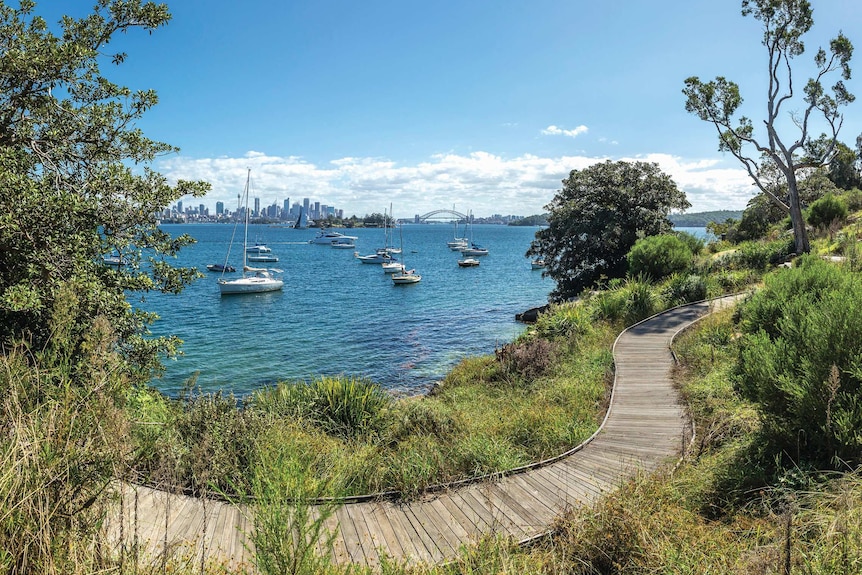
{"type": "Point", "coordinates": [528, 359]}
{"type": "Point", "coordinates": [801, 361]}
{"type": "Point", "coordinates": [826, 210]}
{"type": "Point", "coordinates": [682, 288]}
{"type": "Point", "coordinates": [694, 243]}
{"type": "Point", "coordinates": [659, 256]}
{"type": "Point", "coordinates": [342, 406]}
{"type": "Point", "coordinates": [564, 320]}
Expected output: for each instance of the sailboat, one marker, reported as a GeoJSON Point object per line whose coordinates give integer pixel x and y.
{"type": "Point", "coordinates": [457, 244]}
{"type": "Point", "coordinates": [405, 276]}
{"type": "Point", "coordinates": [473, 249]}
{"type": "Point", "coordinates": [253, 280]}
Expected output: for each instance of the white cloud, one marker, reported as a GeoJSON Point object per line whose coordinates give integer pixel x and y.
{"type": "Point", "coordinates": [480, 181]}
{"type": "Point", "coordinates": [555, 131]}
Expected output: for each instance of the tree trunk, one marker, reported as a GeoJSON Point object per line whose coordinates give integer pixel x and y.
{"type": "Point", "coordinates": [800, 234]}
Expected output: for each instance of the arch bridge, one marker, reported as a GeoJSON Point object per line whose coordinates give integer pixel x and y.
{"type": "Point", "coordinates": [436, 213]}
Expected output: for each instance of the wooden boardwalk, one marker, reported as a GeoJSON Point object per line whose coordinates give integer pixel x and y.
{"type": "Point", "coordinates": [645, 427]}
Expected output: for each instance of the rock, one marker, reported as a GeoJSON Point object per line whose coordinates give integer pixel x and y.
{"type": "Point", "coordinates": [531, 315]}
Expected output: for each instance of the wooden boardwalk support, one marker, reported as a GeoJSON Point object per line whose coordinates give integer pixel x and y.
{"type": "Point", "coordinates": [645, 426]}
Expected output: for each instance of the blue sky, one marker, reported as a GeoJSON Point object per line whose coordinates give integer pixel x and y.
{"type": "Point", "coordinates": [483, 104]}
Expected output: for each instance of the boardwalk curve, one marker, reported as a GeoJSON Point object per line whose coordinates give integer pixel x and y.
{"type": "Point", "coordinates": [645, 426]}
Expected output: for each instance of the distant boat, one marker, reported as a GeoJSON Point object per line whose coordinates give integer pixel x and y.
{"type": "Point", "coordinates": [468, 263]}
{"type": "Point", "coordinates": [474, 250]}
{"type": "Point", "coordinates": [327, 237]}
{"type": "Point", "coordinates": [392, 267]}
{"type": "Point", "coordinates": [457, 243]}
{"type": "Point", "coordinates": [114, 261]}
{"type": "Point", "coordinates": [381, 256]}
{"type": "Point", "coordinates": [220, 268]}
{"type": "Point", "coordinates": [537, 264]}
{"type": "Point", "coordinates": [268, 258]}
{"type": "Point", "coordinates": [302, 221]}
{"type": "Point", "coordinates": [258, 248]}
{"type": "Point", "coordinates": [343, 244]}
{"type": "Point", "coordinates": [253, 280]}
{"type": "Point", "coordinates": [405, 276]}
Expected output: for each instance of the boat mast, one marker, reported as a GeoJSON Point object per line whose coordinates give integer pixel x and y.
{"type": "Point", "coordinates": [245, 237]}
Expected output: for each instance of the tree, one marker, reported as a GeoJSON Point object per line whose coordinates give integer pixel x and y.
{"type": "Point", "coordinates": [844, 168]}
{"type": "Point", "coordinates": [596, 219]}
{"type": "Point", "coordinates": [76, 182]}
{"type": "Point", "coordinates": [785, 22]}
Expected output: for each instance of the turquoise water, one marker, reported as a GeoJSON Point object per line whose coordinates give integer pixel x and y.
{"type": "Point", "coordinates": [339, 316]}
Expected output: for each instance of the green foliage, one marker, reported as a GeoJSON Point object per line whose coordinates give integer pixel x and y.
{"type": "Point", "coordinates": [659, 256]}
{"type": "Point", "coordinates": [694, 243]}
{"type": "Point", "coordinates": [63, 442]}
{"type": "Point", "coordinates": [802, 361]}
{"type": "Point", "coordinates": [596, 219]}
{"type": "Point", "coordinates": [75, 182]}
{"type": "Point", "coordinates": [684, 288]}
{"type": "Point", "coordinates": [343, 406]}
{"type": "Point", "coordinates": [629, 301]}
{"type": "Point", "coordinates": [290, 533]}
{"type": "Point", "coordinates": [827, 210]}
{"type": "Point", "coordinates": [566, 320]}
{"type": "Point", "coordinates": [776, 164]}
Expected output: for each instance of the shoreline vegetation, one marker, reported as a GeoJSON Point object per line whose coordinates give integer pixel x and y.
{"type": "Point", "coordinates": [544, 392]}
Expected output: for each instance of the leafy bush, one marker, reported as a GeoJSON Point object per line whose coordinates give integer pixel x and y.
{"type": "Point", "coordinates": [694, 243]}
{"type": "Point", "coordinates": [659, 256]}
{"type": "Point", "coordinates": [342, 406]}
{"type": "Point", "coordinates": [826, 210]}
{"type": "Point", "coordinates": [760, 255]}
{"type": "Point", "coordinates": [801, 361]}
{"type": "Point", "coordinates": [564, 320]}
{"type": "Point", "coordinates": [683, 288]}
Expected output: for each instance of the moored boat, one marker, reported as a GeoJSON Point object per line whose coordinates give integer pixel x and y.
{"type": "Point", "coordinates": [220, 268]}
{"type": "Point", "coordinates": [468, 263]}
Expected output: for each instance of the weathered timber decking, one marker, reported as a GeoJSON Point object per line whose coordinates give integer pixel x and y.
{"type": "Point", "coordinates": [645, 427]}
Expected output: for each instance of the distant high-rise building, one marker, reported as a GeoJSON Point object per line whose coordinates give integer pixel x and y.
{"type": "Point", "coordinates": [305, 202]}
{"type": "Point", "coordinates": [219, 208]}
{"type": "Point", "coordinates": [286, 208]}
{"type": "Point", "coordinates": [256, 212]}
{"type": "Point", "coordinates": [316, 209]}
{"type": "Point", "coordinates": [180, 207]}
{"type": "Point", "coordinates": [202, 210]}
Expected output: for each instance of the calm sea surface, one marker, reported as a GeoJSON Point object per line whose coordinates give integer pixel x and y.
{"type": "Point", "coordinates": [337, 315]}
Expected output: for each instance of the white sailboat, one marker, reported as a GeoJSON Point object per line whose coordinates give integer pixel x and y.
{"type": "Point", "coordinates": [457, 244]}
{"type": "Point", "coordinates": [253, 280]}
{"type": "Point", "coordinates": [405, 276]}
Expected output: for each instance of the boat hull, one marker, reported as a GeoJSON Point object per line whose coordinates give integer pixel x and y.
{"type": "Point", "coordinates": [249, 285]}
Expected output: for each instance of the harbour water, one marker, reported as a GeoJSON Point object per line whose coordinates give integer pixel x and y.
{"type": "Point", "coordinates": [339, 316]}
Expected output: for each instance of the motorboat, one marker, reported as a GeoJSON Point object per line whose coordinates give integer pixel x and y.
{"type": "Point", "coordinates": [406, 277]}
{"type": "Point", "coordinates": [537, 264]}
{"type": "Point", "coordinates": [343, 244]}
{"type": "Point", "coordinates": [262, 258]}
{"type": "Point", "coordinates": [381, 256]}
{"type": "Point", "coordinates": [468, 263]}
{"type": "Point", "coordinates": [327, 237]}
{"type": "Point", "coordinates": [258, 248]}
{"type": "Point", "coordinates": [253, 280]}
{"type": "Point", "coordinates": [114, 261]}
{"type": "Point", "coordinates": [392, 267]}
{"type": "Point", "coordinates": [221, 268]}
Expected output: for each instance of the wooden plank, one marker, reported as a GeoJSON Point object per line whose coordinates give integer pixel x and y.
{"type": "Point", "coordinates": [391, 544]}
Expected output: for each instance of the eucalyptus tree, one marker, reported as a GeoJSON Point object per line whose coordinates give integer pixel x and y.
{"type": "Point", "coordinates": [77, 183]}
{"type": "Point", "coordinates": [598, 216]}
{"type": "Point", "coordinates": [797, 150]}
